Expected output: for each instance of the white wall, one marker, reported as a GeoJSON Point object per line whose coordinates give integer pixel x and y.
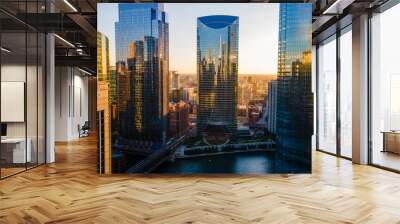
{"type": "Point", "coordinates": [80, 110]}
{"type": "Point", "coordinates": [14, 73]}
{"type": "Point", "coordinates": [61, 103]}
{"type": "Point", "coordinates": [71, 102]}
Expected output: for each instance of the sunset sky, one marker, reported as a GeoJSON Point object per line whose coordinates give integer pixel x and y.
{"type": "Point", "coordinates": [258, 33]}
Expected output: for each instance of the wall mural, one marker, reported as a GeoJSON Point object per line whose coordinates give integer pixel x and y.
{"type": "Point", "coordinates": [189, 88]}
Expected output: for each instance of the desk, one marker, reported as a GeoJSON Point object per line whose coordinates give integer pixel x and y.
{"type": "Point", "coordinates": [13, 150]}
{"type": "Point", "coordinates": [391, 141]}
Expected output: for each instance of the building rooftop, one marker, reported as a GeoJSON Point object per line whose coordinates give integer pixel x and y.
{"type": "Point", "coordinates": [218, 21]}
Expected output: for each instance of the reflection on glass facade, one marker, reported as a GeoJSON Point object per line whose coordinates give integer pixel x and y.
{"type": "Point", "coordinates": [217, 70]}
{"type": "Point", "coordinates": [295, 99]}
{"type": "Point", "coordinates": [142, 71]}
{"type": "Point", "coordinates": [103, 58]}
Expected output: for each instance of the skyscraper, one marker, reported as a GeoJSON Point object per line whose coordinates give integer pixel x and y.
{"type": "Point", "coordinates": [103, 58]}
{"type": "Point", "coordinates": [271, 106]}
{"type": "Point", "coordinates": [141, 35]}
{"type": "Point", "coordinates": [113, 84]}
{"type": "Point", "coordinates": [217, 72]}
{"type": "Point", "coordinates": [113, 95]}
{"type": "Point", "coordinates": [174, 80]}
{"type": "Point", "coordinates": [104, 165]}
{"type": "Point", "coordinates": [178, 118]}
{"type": "Point", "coordinates": [123, 97]}
{"type": "Point", "coordinates": [294, 119]}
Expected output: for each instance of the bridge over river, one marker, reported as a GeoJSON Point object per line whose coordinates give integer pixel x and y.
{"type": "Point", "coordinates": [159, 156]}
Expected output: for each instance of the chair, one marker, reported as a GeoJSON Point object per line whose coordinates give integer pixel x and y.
{"type": "Point", "coordinates": [84, 130]}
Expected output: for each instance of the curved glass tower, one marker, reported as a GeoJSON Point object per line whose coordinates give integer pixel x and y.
{"type": "Point", "coordinates": [217, 71]}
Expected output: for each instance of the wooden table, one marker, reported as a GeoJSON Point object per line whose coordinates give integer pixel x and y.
{"type": "Point", "coordinates": [391, 141]}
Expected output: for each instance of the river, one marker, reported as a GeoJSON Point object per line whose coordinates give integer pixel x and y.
{"type": "Point", "coordinates": [260, 162]}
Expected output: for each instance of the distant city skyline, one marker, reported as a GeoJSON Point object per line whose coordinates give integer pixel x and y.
{"type": "Point", "coordinates": [260, 60]}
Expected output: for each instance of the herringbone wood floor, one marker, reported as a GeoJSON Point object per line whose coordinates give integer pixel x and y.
{"type": "Point", "coordinates": [70, 191]}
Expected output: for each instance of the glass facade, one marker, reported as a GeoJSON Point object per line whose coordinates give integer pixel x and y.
{"type": "Point", "coordinates": [327, 95]}
{"type": "Point", "coordinates": [103, 58]}
{"type": "Point", "coordinates": [346, 92]}
{"type": "Point", "coordinates": [22, 76]}
{"type": "Point", "coordinates": [334, 91]}
{"type": "Point", "coordinates": [217, 71]}
{"type": "Point", "coordinates": [294, 123]}
{"type": "Point", "coordinates": [385, 89]}
{"type": "Point", "coordinates": [141, 35]}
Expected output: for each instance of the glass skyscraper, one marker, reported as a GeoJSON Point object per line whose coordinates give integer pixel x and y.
{"type": "Point", "coordinates": [294, 124]}
{"type": "Point", "coordinates": [217, 71]}
{"type": "Point", "coordinates": [103, 58]}
{"type": "Point", "coordinates": [141, 36]}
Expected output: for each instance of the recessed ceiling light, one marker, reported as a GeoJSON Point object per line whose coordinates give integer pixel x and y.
{"type": "Point", "coordinates": [5, 50]}
{"type": "Point", "coordinates": [64, 40]}
{"type": "Point", "coordinates": [70, 5]}
{"type": "Point", "coordinates": [337, 7]}
{"type": "Point", "coordinates": [86, 72]}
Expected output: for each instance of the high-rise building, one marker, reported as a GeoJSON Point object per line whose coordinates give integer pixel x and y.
{"type": "Point", "coordinates": [271, 106]}
{"type": "Point", "coordinates": [294, 119]}
{"type": "Point", "coordinates": [186, 94]}
{"type": "Point", "coordinates": [103, 58]}
{"type": "Point", "coordinates": [176, 95]}
{"type": "Point", "coordinates": [113, 94]}
{"type": "Point", "coordinates": [174, 80]}
{"type": "Point", "coordinates": [217, 72]}
{"type": "Point", "coordinates": [123, 97]}
{"type": "Point", "coordinates": [253, 114]}
{"type": "Point", "coordinates": [103, 128]}
{"type": "Point", "coordinates": [178, 118]}
{"type": "Point", "coordinates": [113, 84]}
{"type": "Point", "coordinates": [141, 35]}
{"type": "Point", "coordinates": [191, 94]}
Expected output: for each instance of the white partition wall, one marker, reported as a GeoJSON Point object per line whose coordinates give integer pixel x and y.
{"type": "Point", "coordinates": [71, 102]}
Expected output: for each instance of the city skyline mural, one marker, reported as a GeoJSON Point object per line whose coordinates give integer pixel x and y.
{"type": "Point", "coordinates": [188, 88]}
